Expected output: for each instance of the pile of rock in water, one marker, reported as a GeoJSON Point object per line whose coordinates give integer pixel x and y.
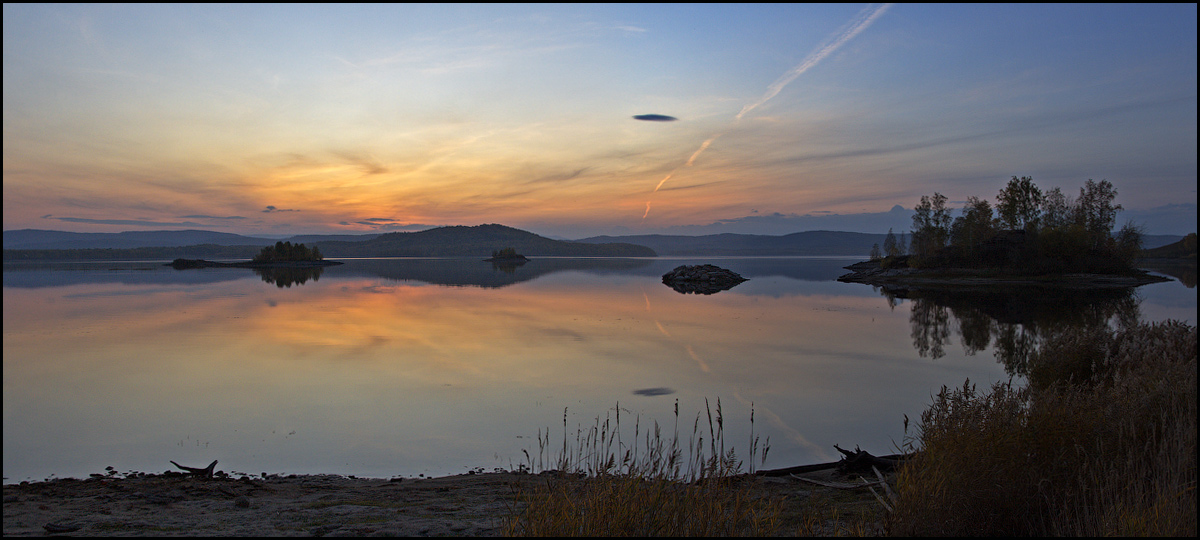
{"type": "Point", "coordinates": [701, 279]}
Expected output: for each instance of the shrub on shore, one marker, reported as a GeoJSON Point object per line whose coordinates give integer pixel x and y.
{"type": "Point", "coordinates": [1102, 441]}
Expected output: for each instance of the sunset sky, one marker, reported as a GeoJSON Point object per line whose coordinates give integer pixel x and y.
{"type": "Point", "coordinates": [278, 120]}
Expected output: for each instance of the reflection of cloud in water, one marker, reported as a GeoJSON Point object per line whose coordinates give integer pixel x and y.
{"type": "Point", "coordinates": [790, 432]}
{"type": "Point", "coordinates": [658, 391]}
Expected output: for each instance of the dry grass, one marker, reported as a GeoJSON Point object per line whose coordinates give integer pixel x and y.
{"type": "Point", "coordinates": [1101, 442]}
{"type": "Point", "coordinates": [603, 487]}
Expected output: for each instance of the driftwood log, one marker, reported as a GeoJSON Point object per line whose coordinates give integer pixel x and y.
{"type": "Point", "coordinates": [206, 472]}
{"type": "Point", "coordinates": [858, 461]}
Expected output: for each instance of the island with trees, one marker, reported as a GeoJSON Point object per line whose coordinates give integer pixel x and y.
{"type": "Point", "coordinates": [280, 255]}
{"type": "Point", "coordinates": [1030, 237]}
{"type": "Point", "coordinates": [507, 255]}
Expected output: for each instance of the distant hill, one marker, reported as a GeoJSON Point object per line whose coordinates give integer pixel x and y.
{"type": "Point", "coordinates": [439, 242]}
{"type": "Point", "coordinates": [458, 241]}
{"type": "Point", "coordinates": [810, 243]}
{"type": "Point", "coordinates": [201, 251]}
{"type": "Point", "coordinates": [1151, 241]}
{"type": "Point", "coordinates": [801, 243]}
{"type": "Point", "coordinates": [1183, 249]}
{"type": "Point", "coordinates": [311, 239]}
{"type": "Point", "coordinates": [41, 239]}
{"type": "Point", "coordinates": [477, 241]}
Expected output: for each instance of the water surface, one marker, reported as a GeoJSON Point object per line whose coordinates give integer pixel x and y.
{"type": "Point", "coordinates": [386, 367]}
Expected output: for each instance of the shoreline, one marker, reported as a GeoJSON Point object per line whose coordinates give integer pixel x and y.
{"type": "Point", "coordinates": [870, 273]}
{"type": "Point", "coordinates": [470, 504]}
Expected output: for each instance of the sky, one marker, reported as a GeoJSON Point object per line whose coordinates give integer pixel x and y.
{"type": "Point", "coordinates": [579, 120]}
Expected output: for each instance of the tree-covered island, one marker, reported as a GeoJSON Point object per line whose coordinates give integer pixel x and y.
{"type": "Point", "coordinates": [280, 255]}
{"type": "Point", "coordinates": [1030, 236]}
{"type": "Point", "coordinates": [508, 255]}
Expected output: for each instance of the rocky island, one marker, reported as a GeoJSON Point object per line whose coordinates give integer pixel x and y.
{"type": "Point", "coordinates": [701, 279]}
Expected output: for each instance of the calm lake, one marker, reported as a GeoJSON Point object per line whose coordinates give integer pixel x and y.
{"type": "Point", "coordinates": [402, 367]}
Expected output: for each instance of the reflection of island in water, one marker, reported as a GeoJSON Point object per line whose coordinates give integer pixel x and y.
{"type": "Point", "coordinates": [1014, 320]}
{"type": "Point", "coordinates": [507, 266]}
{"type": "Point", "coordinates": [473, 272]}
{"type": "Point", "coordinates": [286, 277]}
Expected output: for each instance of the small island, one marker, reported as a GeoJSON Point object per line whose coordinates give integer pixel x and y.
{"type": "Point", "coordinates": [507, 256]}
{"type": "Point", "coordinates": [280, 255]}
{"type": "Point", "coordinates": [701, 279]}
{"type": "Point", "coordinates": [1032, 239]}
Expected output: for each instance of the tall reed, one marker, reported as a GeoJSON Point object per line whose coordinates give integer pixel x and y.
{"type": "Point", "coordinates": [602, 485]}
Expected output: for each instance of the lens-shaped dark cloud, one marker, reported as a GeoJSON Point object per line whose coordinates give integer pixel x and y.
{"type": "Point", "coordinates": [655, 118]}
{"type": "Point", "coordinates": [654, 391]}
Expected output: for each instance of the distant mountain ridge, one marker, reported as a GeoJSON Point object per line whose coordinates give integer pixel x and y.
{"type": "Point", "coordinates": [808, 243]}
{"type": "Point", "coordinates": [456, 241]}
{"type": "Point", "coordinates": [479, 240]}
{"type": "Point", "coordinates": [42, 239]}
{"type": "Point", "coordinates": [453, 241]}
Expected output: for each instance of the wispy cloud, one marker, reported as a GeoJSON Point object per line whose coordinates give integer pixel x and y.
{"type": "Point", "coordinates": [201, 216]}
{"type": "Point", "coordinates": [844, 34]}
{"type": "Point", "coordinates": [136, 222]}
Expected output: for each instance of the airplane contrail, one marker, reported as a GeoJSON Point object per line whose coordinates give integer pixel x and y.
{"type": "Point", "coordinates": [853, 28]}
{"type": "Point", "coordinates": [844, 34]}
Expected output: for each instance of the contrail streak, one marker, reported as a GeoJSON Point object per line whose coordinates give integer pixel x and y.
{"type": "Point", "coordinates": [853, 28]}
{"type": "Point", "coordinates": [846, 33]}
{"type": "Point", "coordinates": [703, 147]}
{"type": "Point", "coordinates": [696, 154]}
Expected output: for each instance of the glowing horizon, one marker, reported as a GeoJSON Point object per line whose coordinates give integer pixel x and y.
{"type": "Point", "coordinates": [329, 119]}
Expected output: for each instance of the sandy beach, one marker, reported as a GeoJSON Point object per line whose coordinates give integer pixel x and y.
{"type": "Point", "coordinates": [321, 505]}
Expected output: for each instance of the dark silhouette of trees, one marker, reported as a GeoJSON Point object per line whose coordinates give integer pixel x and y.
{"type": "Point", "coordinates": [1095, 211]}
{"type": "Point", "coordinates": [974, 226]}
{"type": "Point", "coordinates": [1019, 204]}
{"type": "Point", "coordinates": [891, 247]}
{"type": "Point", "coordinates": [506, 253]}
{"type": "Point", "coordinates": [1056, 210]}
{"type": "Point", "coordinates": [931, 226]}
{"type": "Point", "coordinates": [1029, 232]}
{"type": "Point", "coordinates": [287, 251]}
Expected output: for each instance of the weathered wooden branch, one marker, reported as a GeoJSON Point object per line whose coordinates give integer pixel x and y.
{"type": "Point", "coordinates": [206, 472]}
{"type": "Point", "coordinates": [836, 485]}
{"type": "Point", "coordinates": [886, 490]}
{"type": "Point", "coordinates": [852, 462]}
{"type": "Point", "coordinates": [862, 462]}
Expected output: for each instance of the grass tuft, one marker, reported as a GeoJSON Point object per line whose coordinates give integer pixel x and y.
{"type": "Point", "coordinates": [603, 487]}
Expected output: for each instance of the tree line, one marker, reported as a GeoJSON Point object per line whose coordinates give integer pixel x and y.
{"type": "Point", "coordinates": [287, 251]}
{"type": "Point", "coordinates": [1027, 229]}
